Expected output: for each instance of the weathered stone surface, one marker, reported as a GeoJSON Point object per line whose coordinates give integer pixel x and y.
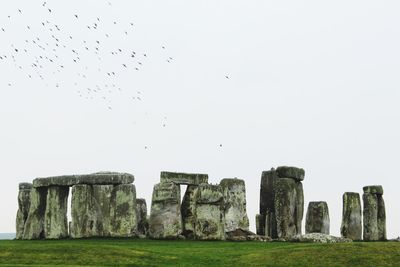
{"type": "Point", "coordinates": [90, 210]}
{"type": "Point", "coordinates": [103, 210]}
{"type": "Point", "coordinates": [299, 209]}
{"type": "Point", "coordinates": [291, 172]}
{"type": "Point", "coordinates": [287, 209]}
{"type": "Point", "coordinates": [374, 214]}
{"type": "Point", "coordinates": [258, 224]}
{"type": "Point", "coordinates": [183, 178]}
{"type": "Point", "coordinates": [209, 213]}
{"type": "Point", "coordinates": [143, 224]}
{"type": "Point", "coordinates": [188, 211]}
{"type": "Point", "coordinates": [34, 225]}
{"type": "Point", "coordinates": [99, 178]}
{"type": "Point", "coordinates": [370, 220]}
{"type": "Point", "coordinates": [317, 219]}
{"type": "Point", "coordinates": [284, 190]}
{"type": "Point", "coordinates": [165, 216]}
{"type": "Point", "coordinates": [373, 189]}
{"type": "Point", "coordinates": [319, 238]}
{"type": "Point", "coordinates": [234, 193]}
{"type": "Point", "coordinates": [381, 219]}
{"type": "Point", "coordinates": [24, 202]}
{"type": "Point", "coordinates": [55, 218]}
{"type": "Point", "coordinates": [23, 186]}
{"type": "Point", "coordinates": [351, 217]}
{"type": "Point", "coordinates": [123, 211]}
{"type": "Point", "coordinates": [267, 204]}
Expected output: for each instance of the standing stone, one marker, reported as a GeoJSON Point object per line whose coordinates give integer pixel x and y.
{"type": "Point", "coordinates": [317, 218]}
{"type": "Point", "coordinates": [24, 202]}
{"type": "Point", "coordinates": [123, 211]}
{"type": "Point", "coordinates": [351, 217]}
{"type": "Point", "coordinates": [143, 224]}
{"type": "Point", "coordinates": [267, 204]}
{"type": "Point", "coordinates": [34, 225]}
{"type": "Point", "coordinates": [55, 218]}
{"type": "Point", "coordinates": [234, 193]}
{"type": "Point", "coordinates": [165, 216]}
{"type": "Point", "coordinates": [90, 210]}
{"type": "Point", "coordinates": [281, 202]}
{"type": "Point", "coordinates": [374, 214]}
{"type": "Point", "coordinates": [188, 211]}
{"type": "Point", "coordinates": [285, 207]}
{"type": "Point", "coordinates": [209, 213]}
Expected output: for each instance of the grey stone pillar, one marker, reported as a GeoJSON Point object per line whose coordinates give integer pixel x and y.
{"type": "Point", "coordinates": [210, 223]}
{"type": "Point", "coordinates": [143, 224]}
{"type": "Point", "coordinates": [374, 214]}
{"type": "Point", "coordinates": [123, 211]}
{"type": "Point", "coordinates": [165, 216]}
{"type": "Point", "coordinates": [281, 202]}
{"type": "Point", "coordinates": [234, 192]}
{"type": "Point", "coordinates": [24, 202]}
{"type": "Point", "coordinates": [317, 219]}
{"type": "Point", "coordinates": [351, 217]}
{"type": "Point", "coordinates": [188, 210]}
{"type": "Point", "coordinates": [34, 225]}
{"type": "Point", "coordinates": [90, 210]}
{"type": "Point", "coordinates": [55, 218]}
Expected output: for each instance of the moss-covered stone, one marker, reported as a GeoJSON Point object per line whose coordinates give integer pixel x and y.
{"type": "Point", "coordinates": [351, 218]}
{"type": "Point", "coordinates": [317, 219]}
{"type": "Point", "coordinates": [34, 225]}
{"type": "Point", "coordinates": [123, 215]}
{"type": "Point", "coordinates": [234, 192]}
{"type": "Point", "coordinates": [284, 200]}
{"type": "Point", "coordinates": [291, 172]}
{"type": "Point", "coordinates": [209, 213]}
{"type": "Point", "coordinates": [90, 210]}
{"type": "Point", "coordinates": [188, 211]}
{"type": "Point", "coordinates": [373, 189]}
{"type": "Point", "coordinates": [99, 178]}
{"type": "Point", "coordinates": [370, 220]}
{"type": "Point", "coordinates": [24, 202]}
{"type": "Point", "coordinates": [374, 214]}
{"type": "Point", "coordinates": [55, 218]}
{"type": "Point", "coordinates": [183, 178]}
{"type": "Point", "coordinates": [165, 216]}
{"type": "Point", "coordinates": [143, 224]}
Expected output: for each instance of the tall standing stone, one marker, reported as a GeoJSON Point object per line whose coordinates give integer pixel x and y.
{"type": "Point", "coordinates": [209, 213]}
{"type": "Point", "coordinates": [143, 224]}
{"type": "Point", "coordinates": [34, 225]}
{"type": "Point", "coordinates": [317, 218]}
{"type": "Point", "coordinates": [351, 217]}
{"type": "Point", "coordinates": [374, 214]}
{"type": "Point", "coordinates": [234, 193]}
{"type": "Point", "coordinates": [267, 220]}
{"type": "Point", "coordinates": [165, 216]}
{"type": "Point", "coordinates": [90, 210]}
{"type": "Point", "coordinates": [123, 211]}
{"type": "Point", "coordinates": [188, 211]}
{"type": "Point", "coordinates": [55, 218]}
{"type": "Point", "coordinates": [24, 202]}
{"type": "Point", "coordinates": [281, 202]}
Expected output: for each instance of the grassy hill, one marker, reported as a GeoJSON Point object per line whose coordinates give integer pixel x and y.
{"type": "Point", "coordinates": [128, 252]}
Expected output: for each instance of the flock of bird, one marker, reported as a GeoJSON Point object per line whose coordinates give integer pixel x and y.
{"type": "Point", "coordinates": [51, 52]}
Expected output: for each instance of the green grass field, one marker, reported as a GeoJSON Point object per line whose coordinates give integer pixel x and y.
{"type": "Point", "coordinates": [113, 252]}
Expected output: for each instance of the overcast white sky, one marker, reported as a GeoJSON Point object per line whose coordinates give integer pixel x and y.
{"type": "Point", "coordinates": [313, 84]}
